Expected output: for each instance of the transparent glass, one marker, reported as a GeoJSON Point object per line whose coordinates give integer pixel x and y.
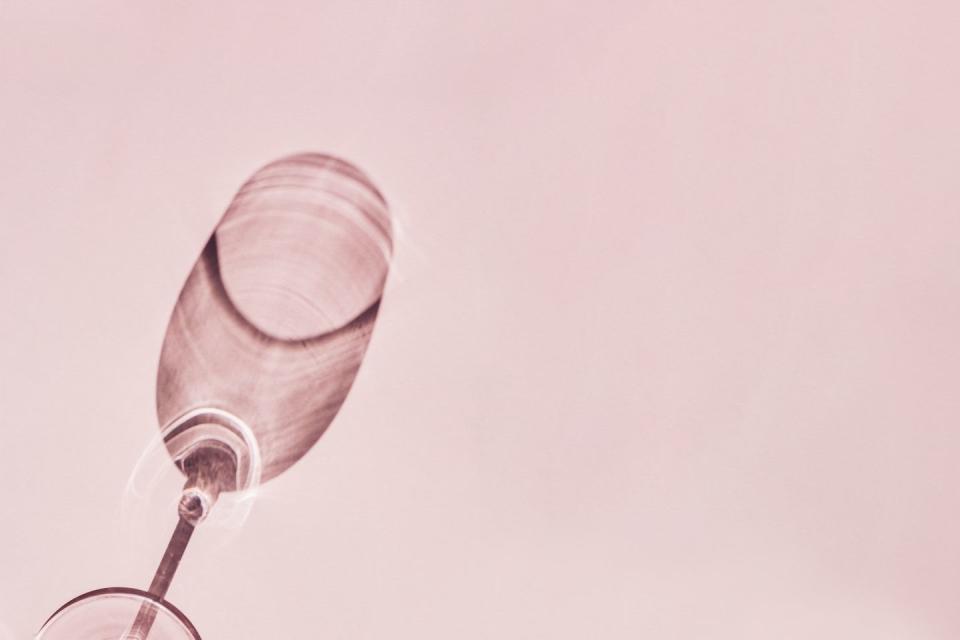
{"type": "Point", "coordinates": [112, 614]}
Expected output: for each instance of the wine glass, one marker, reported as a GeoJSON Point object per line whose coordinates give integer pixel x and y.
{"type": "Point", "coordinates": [261, 349]}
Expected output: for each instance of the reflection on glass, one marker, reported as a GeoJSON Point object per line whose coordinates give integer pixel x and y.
{"type": "Point", "coordinates": [112, 614]}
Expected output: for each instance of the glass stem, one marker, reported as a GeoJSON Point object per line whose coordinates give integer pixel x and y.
{"type": "Point", "coordinates": [210, 470]}
{"type": "Point", "coordinates": [162, 579]}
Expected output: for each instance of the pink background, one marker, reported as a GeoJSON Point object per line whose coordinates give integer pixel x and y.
{"type": "Point", "coordinates": [670, 348]}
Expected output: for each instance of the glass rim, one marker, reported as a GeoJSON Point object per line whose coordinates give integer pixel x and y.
{"type": "Point", "coordinates": [124, 591]}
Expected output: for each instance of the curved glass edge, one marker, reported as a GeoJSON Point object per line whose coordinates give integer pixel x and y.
{"type": "Point", "coordinates": [227, 428]}
{"type": "Point", "coordinates": [160, 462]}
{"type": "Point", "coordinates": [122, 591]}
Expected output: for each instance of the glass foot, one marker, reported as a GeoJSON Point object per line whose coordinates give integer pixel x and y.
{"type": "Point", "coordinates": [112, 614]}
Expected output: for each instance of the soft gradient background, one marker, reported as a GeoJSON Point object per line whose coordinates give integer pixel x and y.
{"type": "Point", "coordinates": [670, 349]}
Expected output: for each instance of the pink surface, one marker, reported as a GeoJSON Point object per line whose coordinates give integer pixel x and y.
{"type": "Point", "coordinates": [669, 349]}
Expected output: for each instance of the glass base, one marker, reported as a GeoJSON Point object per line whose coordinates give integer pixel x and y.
{"type": "Point", "coordinates": [116, 613]}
